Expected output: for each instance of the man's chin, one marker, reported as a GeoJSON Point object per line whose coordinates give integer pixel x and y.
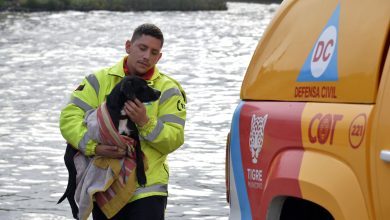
{"type": "Point", "coordinates": [141, 71]}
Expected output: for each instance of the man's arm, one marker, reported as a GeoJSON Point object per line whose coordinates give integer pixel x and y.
{"type": "Point", "coordinates": [72, 125]}
{"type": "Point", "coordinates": [165, 132]}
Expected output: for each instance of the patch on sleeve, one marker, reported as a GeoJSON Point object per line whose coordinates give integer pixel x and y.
{"type": "Point", "coordinates": [181, 105]}
{"type": "Point", "coordinates": [80, 88]}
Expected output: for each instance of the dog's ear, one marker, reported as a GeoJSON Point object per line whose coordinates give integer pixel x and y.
{"type": "Point", "coordinates": [123, 83]}
{"type": "Point", "coordinates": [127, 88]}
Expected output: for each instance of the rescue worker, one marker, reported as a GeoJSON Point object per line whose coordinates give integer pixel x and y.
{"type": "Point", "coordinates": [160, 123]}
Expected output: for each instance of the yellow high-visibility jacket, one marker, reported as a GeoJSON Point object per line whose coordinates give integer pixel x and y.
{"type": "Point", "coordinates": [163, 134]}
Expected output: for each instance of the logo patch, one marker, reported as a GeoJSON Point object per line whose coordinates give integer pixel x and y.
{"type": "Point", "coordinates": [321, 64]}
{"type": "Point", "coordinates": [80, 88]}
{"type": "Point", "coordinates": [256, 136]}
{"type": "Point", "coordinates": [180, 105]}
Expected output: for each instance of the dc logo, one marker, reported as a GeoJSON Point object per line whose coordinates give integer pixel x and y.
{"type": "Point", "coordinates": [256, 135]}
{"type": "Point", "coordinates": [321, 64]}
{"type": "Point", "coordinates": [323, 51]}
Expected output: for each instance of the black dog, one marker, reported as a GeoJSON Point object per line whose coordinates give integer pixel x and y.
{"type": "Point", "coordinates": [129, 88]}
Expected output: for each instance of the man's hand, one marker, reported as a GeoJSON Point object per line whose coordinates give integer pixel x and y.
{"type": "Point", "coordinates": [110, 151]}
{"type": "Point", "coordinates": [136, 112]}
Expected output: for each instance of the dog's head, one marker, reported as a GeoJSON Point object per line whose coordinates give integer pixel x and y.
{"type": "Point", "coordinates": [136, 87]}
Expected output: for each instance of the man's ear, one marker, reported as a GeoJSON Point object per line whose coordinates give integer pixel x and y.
{"type": "Point", "coordinates": [127, 46]}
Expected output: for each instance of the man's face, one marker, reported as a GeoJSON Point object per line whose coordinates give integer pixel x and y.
{"type": "Point", "coordinates": [143, 53]}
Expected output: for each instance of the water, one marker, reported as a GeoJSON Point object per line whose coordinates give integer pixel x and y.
{"type": "Point", "coordinates": [43, 57]}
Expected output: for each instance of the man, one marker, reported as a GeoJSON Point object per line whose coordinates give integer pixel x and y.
{"type": "Point", "coordinates": [160, 123]}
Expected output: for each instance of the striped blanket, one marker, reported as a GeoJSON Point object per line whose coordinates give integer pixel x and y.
{"type": "Point", "coordinates": [109, 182]}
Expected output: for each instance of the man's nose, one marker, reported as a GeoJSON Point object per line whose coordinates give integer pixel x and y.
{"type": "Point", "coordinates": [147, 54]}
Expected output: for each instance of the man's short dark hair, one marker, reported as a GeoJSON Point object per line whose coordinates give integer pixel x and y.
{"type": "Point", "coordinates": [148, 29]}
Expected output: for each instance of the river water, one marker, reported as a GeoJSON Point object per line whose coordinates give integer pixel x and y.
{"type": "Point", "coordinates": [43, 57]}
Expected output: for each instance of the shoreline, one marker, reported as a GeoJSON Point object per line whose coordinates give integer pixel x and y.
{"type": "Point", "coordinates": [111, 5]}
{"type": "Point", "coordinates": [120, 5]}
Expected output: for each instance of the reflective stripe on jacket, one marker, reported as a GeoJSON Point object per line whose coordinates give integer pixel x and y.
{"type": "Point", "coordinates": [163, 134]}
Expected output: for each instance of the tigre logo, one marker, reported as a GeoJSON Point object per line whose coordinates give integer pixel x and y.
{"type": "Point", "coordinates": [256, 135]}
